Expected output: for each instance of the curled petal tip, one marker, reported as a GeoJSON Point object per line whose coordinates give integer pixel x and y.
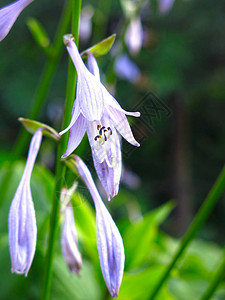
{"type": "Point", "coordinates": [68, 38]}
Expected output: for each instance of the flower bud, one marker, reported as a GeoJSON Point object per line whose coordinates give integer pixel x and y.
{"type": "Point", "coordinates": [22, 222]}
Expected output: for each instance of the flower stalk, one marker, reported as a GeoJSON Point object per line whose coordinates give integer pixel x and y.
{"type": "Point", "coordinates": [60, 168]}
{"type": "Point", "coordinates": [195, 226]}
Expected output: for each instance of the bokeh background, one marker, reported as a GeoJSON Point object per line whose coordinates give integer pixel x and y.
{"type": "Point", "coordinates": [179, 88]}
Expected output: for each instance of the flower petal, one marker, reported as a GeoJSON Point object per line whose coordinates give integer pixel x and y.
{"type": "Point", "coordinates": [21, 221]}
{"type": "Point", "coordinates": [109, 241]}
{"type": "Point", "coordinates": [99, 153]}
{"type": "Point", "coordinates": [91, 93]}
{"type": "Point", "coordinates": [89, 89]}
{"type": "Point", "coordinates": [76, 134]}
{"type": "Point", "coordinates": [110, 176]}
{"type": "Point", "coordinates": [110, 101]}
{"type": "Point", "coordinates": [75, 115]}
{"type": "Point", "coordinates": [125, 68]}
{"type": "Point", "coordinates": [93, 66]}
{"type": "Point", "coordinates": [22, 230]}
{"type": "Point", "coordinates": [134, 36]}
{"type": "Point", "coordinates": [70, 250]}
{"type": "Point", "coordinates": [110, 249]}
{"type": "Point", "coordinates": [122, 125]}
{"type": "Point", "coordinates": [9, 14]}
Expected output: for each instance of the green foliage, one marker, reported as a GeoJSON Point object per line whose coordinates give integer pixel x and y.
{"type": "Point", "coordinates": [32, 125]}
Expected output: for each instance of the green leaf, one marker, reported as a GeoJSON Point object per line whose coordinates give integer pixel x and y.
{"type": "Point", "coordinates": [101, 48]}
{"type": "Point", "coordinates": [70, 286]}
{"type": "Point", "coordinates": [86, 226]}
{"type": "Point", "coordinates": [139, 237]}
{"type": "Point", "coordinates": [138, 285]}
{"type": "Point", "coordinates": [31, 126]}
{"type": "Point", "coordinates": [38, 32]}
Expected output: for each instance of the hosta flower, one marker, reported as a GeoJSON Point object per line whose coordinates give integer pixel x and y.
{"type": "Point", "coordinates": [134, 36]}
{"type": "Point", "coordinates": [98, 113]}
{"type": "Point", "coordinates": [109, 241]}
{"type": "Point", "coordinates": [165, 5]}
{"type": "Point", "coordinates": [9, 14]}
{"type": "Point", "coordinates": [69, 241]}
{"type": "Point", "coordinates": [21, 222]}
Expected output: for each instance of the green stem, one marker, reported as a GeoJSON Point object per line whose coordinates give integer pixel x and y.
{"type": "Point", "coordinates": [197, 223]}
{"type": "Point", "coordinates": [46, 78]}
{"type": "Point", "coordinates": [60, 168]}
{"type": "Point", "coordinates": [216, 279]}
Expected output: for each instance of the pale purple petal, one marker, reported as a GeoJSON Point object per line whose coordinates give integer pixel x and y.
{"type": "Point", "coordinates": [69, 242]}
{"type": "Point", "coordinates": [134, 36]}
{"type": "Point", "coordinates": [122, 125]}
{"type": "Point", "coordinates": [91, 96]}
{"type": "Point", "coordinates": [110, 175]}
{"type": "Point", "coordinates": [89, 89]}
{"type": "Point", "coordinates": [75, 115]}
{"type": "Point", "coordinates": [21, 221]}
{"type": "Point", "coordinates": [85, 27]}
{"type": "Point", "coordinates": [111, 102]}
{"type": "Point", "coordinates": [125, 68]}
{"type": "Point", "coordinates": [76, 134]}
{"type": "Point", "coordinates": [99, 152]}
{"type": "Point", "coordinates": [9, 14]}
{"type": "Point", "coordinates": [109, 241]}
{"type": "Point", "coordinates": [110, 249]}
{"type": "Point", "coordinates": [165, 5]}
{"type": "Point", "coordinates": [93, 66]}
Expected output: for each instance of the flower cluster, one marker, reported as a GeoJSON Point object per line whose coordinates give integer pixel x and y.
{"type": "Point", "coordinates": [96, 112]}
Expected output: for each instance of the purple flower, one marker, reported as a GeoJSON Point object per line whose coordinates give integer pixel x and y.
{"type": "Point", "coordinates": [109, 170]}
{"type": "Point", "coordinates": [69, 241]}
{"type": "Point", "coordinates": [165, 5]}
{"type": "Point", "coordinates": [134, 36]}
{"type": "Point", "coordinates": [21, 222]}
{"type": "Point", "coordinates": [126, 68]}
{"type": "Point", "coordinates": [109, 241]}
{"type": "Point", "coordinates": [9, 14]}
{"type": "Point", "coordinates": [98, 113]}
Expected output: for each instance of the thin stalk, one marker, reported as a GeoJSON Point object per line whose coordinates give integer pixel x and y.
{"type": "Point", "coordinates": [60, 168]}
{"type": "Point", "coordinates": [46, 79]}
{"type": "Point", "coordinates": [200, 218]}
{"type": "Point", "coordinates": [216, 279]}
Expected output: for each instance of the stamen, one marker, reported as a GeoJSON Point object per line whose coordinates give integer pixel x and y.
{"type": "Point", "coordinates": [99, 126]}
{"type": "Point", "coordinates": [100, 131]}
{"type": "Point", "coordinates": [104, 134]}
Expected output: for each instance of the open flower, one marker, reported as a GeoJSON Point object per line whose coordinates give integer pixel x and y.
{"type": "Point", "coordinates": [109, 241]}
{"type": "Point", "coordinates": [96, 112]}
{"type": "Point", "coordinates": [9, 14]}
{"type": "Point", "coordinates": [69, 239]}
{"type": "Point", "coordinates": [22, 222]}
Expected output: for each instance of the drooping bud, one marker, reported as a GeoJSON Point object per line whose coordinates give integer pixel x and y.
{"type": "Point", "coordinates": [69, 242]}
{"type": "Point", "coordinates": [109, 241]}
{"type": "Point", "coordinates": [21, 221]}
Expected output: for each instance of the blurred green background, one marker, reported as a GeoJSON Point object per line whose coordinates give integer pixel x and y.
{"type": "Point", "coordinates": [182, 63]}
